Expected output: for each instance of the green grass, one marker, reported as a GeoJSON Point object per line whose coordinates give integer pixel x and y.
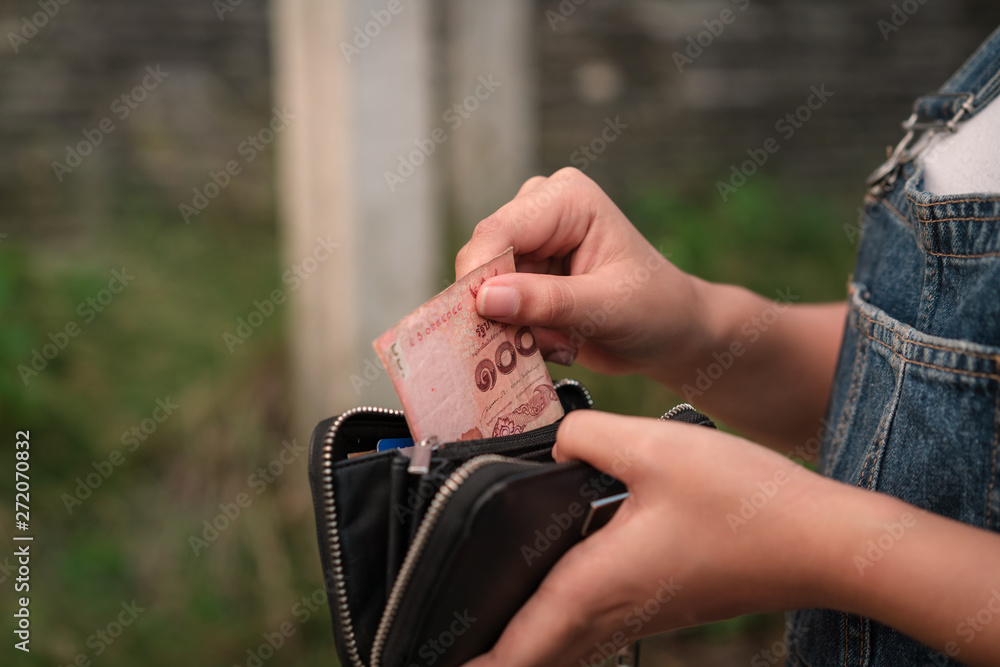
{"type": "Point", "coordinates": [162, 336]}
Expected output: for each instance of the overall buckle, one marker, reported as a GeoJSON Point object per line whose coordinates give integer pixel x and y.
{"type": "Point", "coordinates": [913, 145]}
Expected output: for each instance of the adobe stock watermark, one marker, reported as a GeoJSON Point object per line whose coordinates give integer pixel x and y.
{"type": "Point", "coordinates": [6, 569]}
{"type": "Point", "coordinates": [223, 7]}
{"type": "Point", "coordinates": [855, 230]}
{"type": "Point", "coordinates": [258, 481]}
{"type": "Point", "coordinates": [249, 149]}
{"type": "Point", "coordinates": [777, 652]}
{"type": "Point", "coordinates": [593, 490]}
{"type": "Point", "coordinates": [766, 490]}
{"type": "Point", "coordinates": [751, 330]}
{"type": "Point", "coordinates": [566, 9]}
{"type": "Point", "coordinates": [635, 620]}
{"type": "Point", "coordinates": [370, 371]}
{"type": "Point", "coordinates": [582, 158]}
{"type": "Point", "coordinates": [101, 639]}
{"type": "Point", "coordinates": [967, 630]}
{"type": "Point", "coordinates": [37, 21]}
{"type": "Point", "coordinates": [585, 155]}
{"type": "Point", "coordinates": [899, 17]}
{"type": "Point", "coordinates": [625, 288]}
{"type": "Point", "coordinates": [786, 127]}
{"type": "Point", "coordinates": [696, 44]}
{"type": "Point", "coordinates": [364, 34]}
{"type": "Point", "coordinates": [769, 488]}
{"type": "Point", "coordinates": [293, 277]}
{"type": "Point", "coordinates": [273, 641]}
{"type": "Point", "coordinates": [121, 108]}
{"type": "Point", "coordinates": [61, 338]}
{"type": "Point", "coordinates": [876, 549]}
{"type": "Point", "coordinates": [454, 117]}
{"type": "Point", "coordinates": [131, 440]}
{"type": "Point", "coordinates": [434, 649]}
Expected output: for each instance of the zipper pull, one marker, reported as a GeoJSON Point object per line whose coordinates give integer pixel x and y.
{"type": "Point", "coordinates": [420, 458]}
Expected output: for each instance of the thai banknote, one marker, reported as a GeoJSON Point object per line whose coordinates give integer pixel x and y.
{"type": "Point", "coordinates": [460, 376]}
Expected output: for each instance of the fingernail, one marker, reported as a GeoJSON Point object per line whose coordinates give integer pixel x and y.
{"type": "Point", "coordinates": [498, 301]}
{"type": "Point", "coordinates": [564, 356]}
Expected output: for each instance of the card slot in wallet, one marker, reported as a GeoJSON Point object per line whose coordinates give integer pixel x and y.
{"type": "Point", "coordinates": [402, 509]}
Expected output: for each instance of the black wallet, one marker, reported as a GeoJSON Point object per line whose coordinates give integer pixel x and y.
{"type": "Point", "coordinates": [428, 551]}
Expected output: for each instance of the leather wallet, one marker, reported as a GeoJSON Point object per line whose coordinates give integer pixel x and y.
{"type": "Point", "coordinates": [428, 551]}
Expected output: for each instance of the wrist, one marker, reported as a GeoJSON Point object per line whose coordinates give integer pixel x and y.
{"type": "Point", "coordinates": [707, 322]}
{"type": "Point", "coordinates": [808, 545]}
{"type": "Point", "coordinates": [858, 527]}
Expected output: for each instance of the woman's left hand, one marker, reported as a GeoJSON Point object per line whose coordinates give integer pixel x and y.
{"type": "Point", "coordinates": [714, 526]}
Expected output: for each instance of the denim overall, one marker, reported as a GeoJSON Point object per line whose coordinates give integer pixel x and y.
{"type": "Point", "coordinates": [915, 406]}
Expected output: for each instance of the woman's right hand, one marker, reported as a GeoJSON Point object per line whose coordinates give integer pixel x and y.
{"type": "Point", "coordinates": [592, 287]}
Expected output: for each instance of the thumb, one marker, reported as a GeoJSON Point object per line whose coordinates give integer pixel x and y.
{"type": "Point", "coordinates": [538, 299]}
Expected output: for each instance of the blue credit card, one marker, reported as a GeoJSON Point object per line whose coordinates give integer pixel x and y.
{"type": "Point", "coordinates": [385, 444]}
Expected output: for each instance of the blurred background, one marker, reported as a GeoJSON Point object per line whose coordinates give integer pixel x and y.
{"type": "Point", "coordinates": [209, 208]}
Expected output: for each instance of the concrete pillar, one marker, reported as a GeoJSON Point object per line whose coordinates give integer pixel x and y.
{"type": "Point", "coordinates": [360, 86]}
{"type": "Point", "coordinates": [494, 150]}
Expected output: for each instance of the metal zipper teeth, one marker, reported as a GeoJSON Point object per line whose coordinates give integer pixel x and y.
{"type": "Point", "coordinates": [578, 385]}
{"type": "Point", "coordinates": [440, 501]}
{"type": "Point", "coordinates": [346, 623]}
{"type": "Point", "coordinates": [677, 409]}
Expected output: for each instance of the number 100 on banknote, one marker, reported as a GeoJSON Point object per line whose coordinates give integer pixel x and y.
{"type": "Point", "coordinates": [461, 376]}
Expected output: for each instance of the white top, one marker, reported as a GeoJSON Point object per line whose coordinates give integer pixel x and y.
{"type": "Point", "coordinates": [967, 161]}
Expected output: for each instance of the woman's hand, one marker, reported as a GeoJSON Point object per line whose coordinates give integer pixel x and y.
{"type": "Point", "coordinates": [714, 526]}
{"type": "Point", "coordinates": [593, 287]}
{"type": "Point", "coordinates": [595, 290]}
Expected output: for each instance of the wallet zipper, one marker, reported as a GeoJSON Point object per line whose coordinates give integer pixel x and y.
{"type": "Point", "coordinates": [575, 383]}
{"type": "Point", "coordinates": [333, 534]}
{"type": "Point", "coordinates": [427, 525]}
{"type": "Point", "coordinates": [677, 409]}
{"type": "Point", "coordinates": [440, 502]}
{"type": "Point", "coordinates": [515, 444]}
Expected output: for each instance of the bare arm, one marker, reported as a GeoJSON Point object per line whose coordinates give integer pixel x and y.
{"type": "Point", "coordinates": [763, 366]}
{"type": "Point", "coordinates": [932, 578]}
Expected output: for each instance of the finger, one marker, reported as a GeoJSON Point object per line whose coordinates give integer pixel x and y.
{"type": "Point", "coordinates": [562, 618]}
{"type": "Point", "coordinates": [537, 635]}
{"type": "Point", "coordinates": [550, 220]}
{"type": "Point", "coordinates": [557, 302]}
{"type": "Point", "coordinates": [563, 349]}
{"type": "Point", "coordinates": [614, 444]}
{"type": "Point", "coordinates": [531, 184]}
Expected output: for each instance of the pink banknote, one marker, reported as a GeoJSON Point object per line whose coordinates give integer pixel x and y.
{"type": "Point", "coordinates": [460, 376]}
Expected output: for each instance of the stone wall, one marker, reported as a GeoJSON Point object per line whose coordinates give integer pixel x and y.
{"type": "Point", "coordinates": [164, 138]}
{"type": "Point", "coordinates": [687, 120]}
{"type": "Point", "coordinates": [695, 102]}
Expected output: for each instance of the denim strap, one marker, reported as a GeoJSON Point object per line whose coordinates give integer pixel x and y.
{"type": "Point", "coordinates": [971, 88]}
